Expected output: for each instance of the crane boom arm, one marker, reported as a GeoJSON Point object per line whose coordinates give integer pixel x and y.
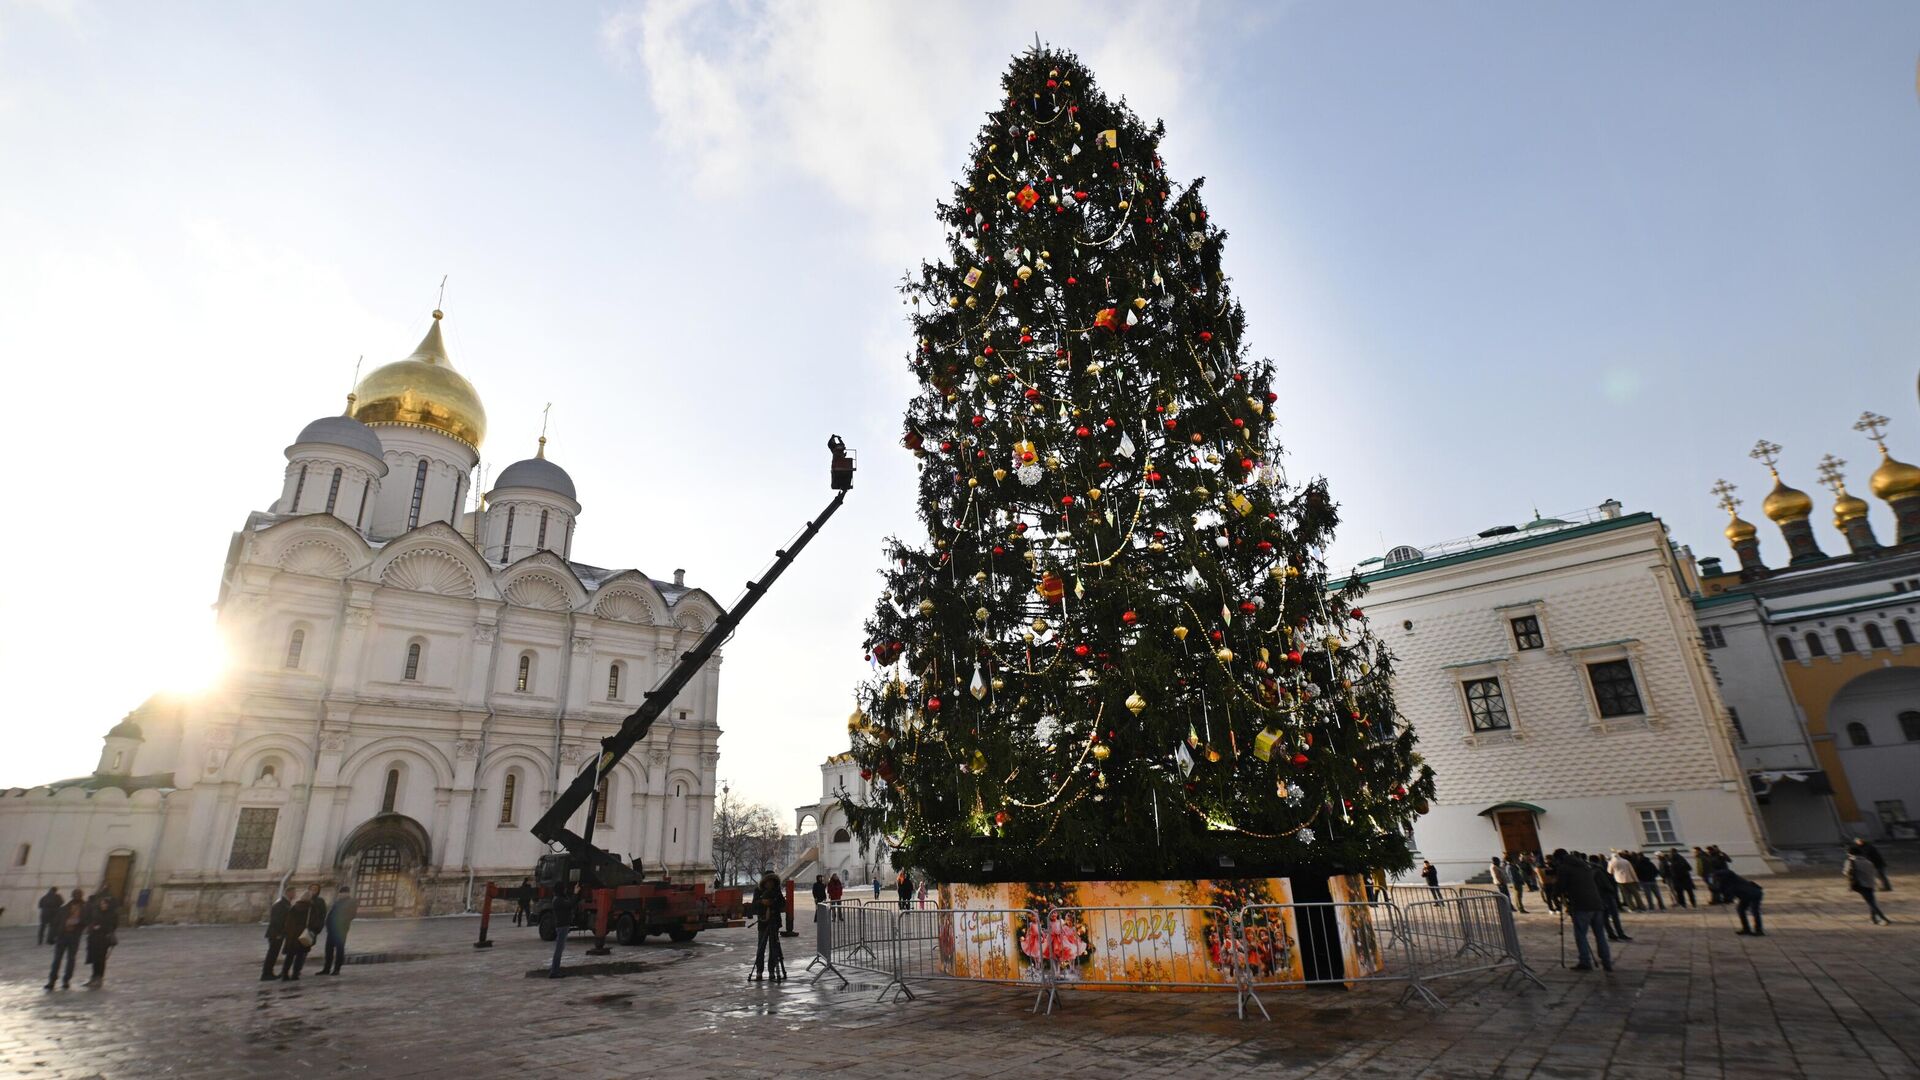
{"type": "Point", "coordinates": [552, 826]}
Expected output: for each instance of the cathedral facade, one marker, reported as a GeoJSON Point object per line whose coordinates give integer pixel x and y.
{"type": "Point", "coordinates": [412, 682]}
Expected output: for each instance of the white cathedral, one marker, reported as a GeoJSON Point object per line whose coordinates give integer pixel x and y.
{"type": "Point", "coordinates": [412, 682]}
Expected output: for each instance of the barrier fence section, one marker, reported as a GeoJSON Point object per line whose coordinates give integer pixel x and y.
{"type": "Point", "coordinates": [1193, 947]}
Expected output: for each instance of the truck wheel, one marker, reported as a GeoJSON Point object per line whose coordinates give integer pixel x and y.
{"type": "Point", "coordinates": [547, 932]}
{"type": "Point", "coordinates": [681, 935]}
{"type": "Point", "coordinates": [627, 931]}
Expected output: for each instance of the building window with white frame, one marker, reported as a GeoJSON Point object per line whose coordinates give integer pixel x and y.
{"type": "Point", "coordinates": [600, 800]}
{"type": "Point", "coordinates": [613, 682]}
{"type": "Point", "coordinates": [253, 838]}
{"type": "Point", "coordinates": [1526, 633]}
{"type": "Point", "coordinates": [1614, 691]}
{"type": "Point", "coordinates": [525, 677]}
{"type": "Point", "coordinates": [296, 644]}
{"type": "Point", "coordinates": [1656, 826]}
{"type": "Point", "coordinates": [419, 492]}
{"type": "Point", "coordinates": [1486, 705]}
{"type": "Point", "coordinates": [412, 671]}
{"type": "Point", "coordinates": [1712, 637]}
{"type": "Point", "coordinates": [507, 792]}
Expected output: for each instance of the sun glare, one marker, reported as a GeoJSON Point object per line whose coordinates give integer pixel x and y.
{"type": "Point", "coordinates": [189, 660]}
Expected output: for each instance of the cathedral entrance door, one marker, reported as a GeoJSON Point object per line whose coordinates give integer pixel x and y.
{"type": "Point", "coordinates": [376, 880]}
{"type": "Point", "coordinates": [119, 872]}
{"type": "Point", "coordinates": [1518, 832]}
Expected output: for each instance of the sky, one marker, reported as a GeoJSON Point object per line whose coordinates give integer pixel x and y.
{"type": "Point", "coordinates": [1505, 256]}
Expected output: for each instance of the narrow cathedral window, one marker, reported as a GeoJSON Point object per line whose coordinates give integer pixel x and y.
{"type": "Point", "coordinates": [1843, 638]}
{"type": "Point", "coordinates": [1613, 688]}
{"type": "Point", "coordinates": [413, 662]}
{"type": "Point", "coordinates": [1857, 734]}
{"type": "Point", "coordinates": [540, 542]}
{"type": "Point", "coordinates": [1910, 726]}
{"type": "Point", "coordinates": [295, 646]}
{"type": "Point", "coordinates": [526, 673]}
{"type": "Point", "coordinates": [21, 859]}
{"type": "Point", "coordinates": [392, 793]}
{"type": "Point", "coordinates": [1486, 705]}
{"type": "Point", "coordinates": [333, 491]}
{"type": "Point", "coordinates": [600, 801]}
{"type": "Point", "coordinates": [613, 683]}
{"type": "Point", "coordinates": [1814, 648]}
{"type": "Point", "coordinates": [454, 514]}
{"type": "Point", "coordinates": [1786, 647]}
{"type": "Point", "coordinates": [1903, 631]}
{"type": "Point", "coordinates": [253, 838]}
{"type": "Point", "coordinates": [299, 486]}
{"type": "Point", "coordinates": [506, 546]}
{"type": "Point", "coordinates": [360, 515]}
{"type": "Point", "coordinates": [506, 799]}
{"type": "Point", "coordinates": [1875, 639]}
{"type": "Point", "coordinates": [419, 491]}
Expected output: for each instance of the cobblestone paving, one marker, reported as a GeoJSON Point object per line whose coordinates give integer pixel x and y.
{"type": "Point", "coordinates": [1823, 994]}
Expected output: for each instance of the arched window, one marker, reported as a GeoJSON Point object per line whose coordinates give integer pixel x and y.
{"type": "Point", "coordinates": [1910, 726]}
{"type": "Point", "coordinates": [413, 662]}
{"type": "Point", "coordinates": [613, 682]}
{"type": "Point", "coordinates": [1903, 630]}
{"type": "Point", "coordinates": [299, 486]}
{"type": "Point", "coordinates": [540, 542]}
{"type": "Point", "coordinates": [118, 757]}
{"type": "Point", "coordinates": [680, 791]}
{"type": "Point", "coordinates": [506, 545]}
{"type": "Point", "coordinates": [360, 515]}
{"type": "Point", "coordinates": [1857, 734]}
{"type": "Point", "coordinates": [1786, 647]}
{"type": "Point", "coordinates": [840, 836]}
{"type": "Point", "coordinates": [392, 794]}
{"type": "Point", "coordinates": [1843, 639]}
{"type": "Point", "coordinates": [600, 801]}
{"type": "Point", "coordinates": [1814, 648]}
{"type": "Point", "coordinates": [296, 644]}
{"type": "Point", "coordinates": [506, 797]}
{"type": "Point", "coordinates": [459, 483]}
{"type": "Point", "coordinates": [269, 772]}
{"type": "Point", "coordinates": [333, 491]}
{"type": "Point", "coordinates": [525, 676]}
{"type": "Point", "coordinates": [1875, 639]}
{"type": "Point", "coordinates": [419, 492]}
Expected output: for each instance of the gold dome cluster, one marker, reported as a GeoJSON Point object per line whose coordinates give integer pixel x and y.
{"type": "Point", "coordinates": [1784, 503]}
{"type": "Point", "coordinates": [423, 391]}
{"type": "Point", "coordinates": [1894, 478]}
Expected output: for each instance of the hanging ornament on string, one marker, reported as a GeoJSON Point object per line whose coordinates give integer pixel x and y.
{"type": "Point", "coordinates": [1183, 759]}
{"type": "Point", "coordinates": [978, 688]}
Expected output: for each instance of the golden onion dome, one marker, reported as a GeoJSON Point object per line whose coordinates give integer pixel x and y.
{"type": "Point", "coordinates": [1848, 508]}
{"type": "Point", "coordinates": [1894, 478]}
{"type": "Point", "coordinates": [1784, 504]}
{"type": "Point", "coordinates": [423, 391]}
{"type": "Point", "coordinates": [1740, 531]}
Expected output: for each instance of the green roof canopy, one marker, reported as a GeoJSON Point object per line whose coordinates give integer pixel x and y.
{"type": "Point", "coordinates": [1511, 806]}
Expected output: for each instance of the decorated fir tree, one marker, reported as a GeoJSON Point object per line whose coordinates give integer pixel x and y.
{"type": "Point", "coordinates": [1116, 655]}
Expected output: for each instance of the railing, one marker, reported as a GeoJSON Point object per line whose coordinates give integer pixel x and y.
{"type": "Point", "coordinates": [1409, 939]}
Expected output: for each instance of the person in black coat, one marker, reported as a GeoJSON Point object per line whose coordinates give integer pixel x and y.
{"type": "Point", "coordinates": [903, 885]}
{"type": "Point", "coordinates": [1431, 875]}
{"type": "Point", "coordinates": [1680, 880]}
{"type": "Point", "coordinates": [563, 908]}
{"type": "Point", "coordinates": [1609, 899]}
{"type": "Point", "coordinates": [1872, 854]}
{"type": "Point", "coordinates": [304, 921]}
{"type": "Point", "coordinates": [1579, 892]}
{"type": "Point", "coordinates": [1747, 895]}
{"type": "Point", "coordinates": [523, 911]}
{"type": "Point", "coordinates": [72, 923]}
{"type": "Point", "coordinates": [50, 906]}
{"type": "Point", "coordinates": [276, 933]}
{"type": "Point", "coordinates": [102, 921]}
{"type": "Point", "coordinates": [769, 900]}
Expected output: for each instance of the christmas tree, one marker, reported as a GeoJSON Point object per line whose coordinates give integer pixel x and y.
{"type": "Point", "coordinates": [1117, 654]}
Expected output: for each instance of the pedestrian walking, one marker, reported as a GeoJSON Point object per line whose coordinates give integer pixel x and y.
{"type": "Point", "coordinates": [339, 921]}
{"type": "Point", "coordinates": [1746, 895]}
{"type": "Point", "coordinates": [903, 887]}
{"type": "Point", "coordinates": [835, 890]}
{"type": "Point", "coordinates": [1499, 874]}
{"type": "Point", "coordinates": [1626, 877]}
{"type": "Point", "coordinates": [1649, 876]}
{"type": "Point", "coordinates": [819, 897]}
{"type": "Point", "coordinates": [1576, 881]}
{"type": "Point", "coordinates": [50, 906]}
{"type": "Point", "coordinates": [102, 921]}
{"type": "Point", "coordinates": [276, 933]}
{"type": "Point", "coordinates": [767, 903]}
{"type": "Point", "coordinates": [307, 914]}
{"type": "Point", "coordinates": [1872, 855]}
{"type": "Point", "coordinates": [66, 946]}
{"type": "Point", "coordinates": [1609, 898]}
{"type": "Point", "coordinates": [876, 888]}
{"type": "Point", "coordinates": [1517, 878]}
{"type": "Point", "coordinates": [1860, 878]}
{"type": "Point", "coordinates": [1529, 871]}
{"type": "Point", "coordinates": [523, 911]}
{"type": "Point", "coordinates": [1432, 877]}
{"type": "Point", "coordinates": [563, 905]}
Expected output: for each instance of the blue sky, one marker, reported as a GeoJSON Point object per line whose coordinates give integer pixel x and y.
{"type": "Point", "coordinates": [1505, 255]}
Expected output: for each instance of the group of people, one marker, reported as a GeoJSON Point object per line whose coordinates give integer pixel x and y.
{"type": "Point", "coordinates": [66, 921]}
{"type": "Point", "coordinates": [294, 925]}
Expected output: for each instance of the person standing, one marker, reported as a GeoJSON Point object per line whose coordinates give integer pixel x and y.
{"type": "Point", "coordinates": [1859, 875]}
{"type": "Point", "coordinates": [523, 911]}
{"type": "Point", "coordinates": [1872, 854]}
{"type": "Point", "coordinates": [903, 887]}
{"type": "Point", "coordinates": [819, 896]}
{"type": "Point", "coordinates": [1649, 876]}
{"type": "Point", "coordinates": [1550, 884]}
{"type": "Point", "coordinates": [1529, 872]}
{"type": "Point", "coordinates": [339, 921]}
{"type": "Point", "coordinates": [835, 889]}
{"type": "Point", "coordinates": [1746, 894]}
{"type": "Point", "coordinates": [1609, 898]}
{"type": "Point", "coordinates": [1431, 875]}
{"type": "Point", "coordinates": [72, 925]}
{"type": "Point", "coordinates": [876, 888]}
{"type": "Point", "coordinates": [767, 902]}
{"type": "Point", "coordinates": [102, 921]}
{"type": "Point", "coordinates": [1499, 874]}
{"type": "Point", "coordinates": [50, 906]}
{"type": "Point", "coordinates": [1517, 878]}
{"type": "Point", "coordinates": [298, 933]}
{"type": "Point", "coordinates": [1625, 877]}
{"type": "Point", "coordinates": [276, 933]}
{"type": "Point", "coordinates": [1574, 880]}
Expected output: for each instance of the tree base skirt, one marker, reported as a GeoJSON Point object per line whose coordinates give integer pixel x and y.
{"type": "Point", "coordinates": [1158, 935]}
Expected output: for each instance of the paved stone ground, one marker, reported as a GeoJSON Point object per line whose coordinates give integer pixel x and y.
{"type": "Point", "coordinates": [1824, 994]}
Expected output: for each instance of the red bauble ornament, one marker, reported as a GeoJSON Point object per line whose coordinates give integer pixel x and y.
{"type": "Point", "coordinates": [1206, 335]}
{"type": "Point", "coordinates": [933, 704]}
{"type": "Point", "coordinates": [1171, 424]}
{"type": "Point", "coordinates": [945, 446]}
{"type": "Point", "coordinates": [1249, 606]}
{"type": "Point", "coordinates": [1218, 636]}
{"type": "Point", "coordinates": [988, 351]}
{"type": "Point", "coordinates": [979, 421]}
{"type": "Point", "coordinates": [1066, 500]}
{"type": "Point", "coordinates": [1081, 650]}
{"type": "Point", "coordinates": [1153, 478]}
{"type": "Point", "coordinates": [1109, 423]}
{"type": "Point", "coordinates": [1239, 423]}
{"type": "Point", "coordinates": [866, 774]}
{"type": "Point", "coordinates": [911, 440]}
{"type": "Point", "coordinates": [1358, 614]}
{"type": "Point", "coordinates": [1129, 618]}
{"type": "Point", "coordinates": [998, 550]}
{"type": "Point", "coordinates": [1293, 656]}
{"type": "Point", "coordinates": [1265, 545]}
{"type": "Point", "coordinates": [1033, 393]}
{"type": "Point", "coordinates": [1272, 397]}
{"type": "Point", "coordinates": [1299, 761]}
{"type": "Point", "coordinates": [1082, 431]}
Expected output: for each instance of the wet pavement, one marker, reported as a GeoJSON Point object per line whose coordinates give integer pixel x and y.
{"type": "Point", "coordinates": [1823, 994]}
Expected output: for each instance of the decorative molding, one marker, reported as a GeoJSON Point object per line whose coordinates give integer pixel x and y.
{"type": "Point", "coordinates": [466, 748]}
{"type": "Point", "coordinates": [658, 757]}
{"type": "Point", "coordinates": [582, 646]}
{"type": "Point", "coordinates": [483, 634]}
{"type": "Point", "coordinates": [573, 753]}
{"type": "Point", "coordinates": [221, 735]}
{"type": "Point", "coordinates": [428, 570]}
{"type": "Point", "coordinates": [539, 591]}
{"type": "Point", "coordinates": [359, 618]}
{"type": "Point", "coordinates": [315, 558]}
{"type": "Point", "coordinates": [333, 742]}
{"type": "Point", "coordinates": [625, 605]}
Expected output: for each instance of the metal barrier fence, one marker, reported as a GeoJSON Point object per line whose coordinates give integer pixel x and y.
{"type": "Point", "coordinates": [1189, 947]}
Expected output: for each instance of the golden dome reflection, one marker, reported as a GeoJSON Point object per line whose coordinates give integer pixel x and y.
{"type": "Point", "coordinates": [1784, 504]}
{"type": "Point", "coordinates": [1894, 478]}
{"type": "Point", "coordinates": [1740, 530]}
{"type": "Point", "coordinates": [423, 391]}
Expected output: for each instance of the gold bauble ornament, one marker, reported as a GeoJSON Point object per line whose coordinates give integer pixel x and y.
{"type": "Point", "coordinates": [999, 474]}
{"type": "Point", "coordinates": [973, 481]}
{"type": "Point", "coordinates": [1139, 302]}
{"type": "Point", "coordinates": [999, 683]}
{"type": "Point", "coordinates": [1024, 273]}
{"type": "Point", "coordinates": [979, 763]}
{"type": "Point", "coordinates": [972, 302]}
{"type": "Point", "coordinates": [1101, 751]}
{"type": "Point", "coordinates": [1223, 654]}
{"type": "Point", "coordinates": [981, 614]}
{"type": "Point", "coordinates": [1212, 754]}
{"type": "Point", "coordinates": [993, 379]}
{"type": "Point", "coordinates": [1136, 704]}
{"type": "Point", "coordinates": [1094, 494]}
{"type": "Point", "coordinates": [926, 607]}
{"type": "Point", "coordinates": [1039, 626]}
{"type": "Point", "coordinates": [1180, 633]}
